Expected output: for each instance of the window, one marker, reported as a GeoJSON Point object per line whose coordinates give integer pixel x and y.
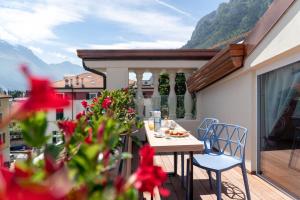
{"type": "Point", "coordinates": [59, 114]}
{"type": "Point", "coordinates": [92, 95]}
{"type": "Point", "coordinates": [2, 138]}
{"type": "Point", "coordinates": [61, 95]}
{"type": "Point", "coordinates": [279, 127]}
{"type": "Point", "coordinates": [54, 137]}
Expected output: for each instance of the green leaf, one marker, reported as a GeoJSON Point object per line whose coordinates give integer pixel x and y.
{"type": "Point", "coordinates": [54, 150]}
{"type": "Point", "coordinates": [92, 151]}
{"type": "Point", "coordinates": [34, 128]}
{"type": "Point", "coordinates": [126, 155]}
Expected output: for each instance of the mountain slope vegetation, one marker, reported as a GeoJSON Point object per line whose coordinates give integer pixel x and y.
{"type": "Point", "coordinates": [231, 20]}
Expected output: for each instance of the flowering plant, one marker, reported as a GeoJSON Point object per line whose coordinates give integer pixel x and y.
{"type": "Point", "coordinates": [83, 166]}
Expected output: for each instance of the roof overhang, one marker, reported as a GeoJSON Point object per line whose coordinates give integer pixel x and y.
{"type": "Point", "coordinates": [146, 59]}
{"type": "Point", "coordinates": [271, 17]}
{"type": "Point", "coordinates": [225, 62]}
{"type": "Point", "coordinates": [151, 54]}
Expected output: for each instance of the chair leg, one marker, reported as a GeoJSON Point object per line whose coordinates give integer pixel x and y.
{"type": "Point", "coordinates": [246, 181]}
{"type": "Point", "coordinates": [210, 179]}
{"type": "Point", "coordinates": [219, 185]}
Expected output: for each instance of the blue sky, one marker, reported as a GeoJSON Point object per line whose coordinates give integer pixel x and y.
{"type": "Point", "coordinates": [54, 29]}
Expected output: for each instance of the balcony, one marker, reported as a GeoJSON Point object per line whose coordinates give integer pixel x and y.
{"type": "Point", "coordinates": [232, 183]}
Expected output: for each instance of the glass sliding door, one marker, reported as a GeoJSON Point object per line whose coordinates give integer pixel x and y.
{"type": "Point", "coordinates": [279, 127]}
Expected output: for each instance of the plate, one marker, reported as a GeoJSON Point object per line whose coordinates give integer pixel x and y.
{"type": "Point", "coordinates": [179, 133]}
{"type": "Point", "coordinates": [159, 135]}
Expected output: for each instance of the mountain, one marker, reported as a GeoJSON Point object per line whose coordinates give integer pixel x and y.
{"type": "Point", "coordinates": [230, 22]}
{"type": "Point", "coordinates": [65, 68]}
{"type": "Point", "coordinates": [11, 56]}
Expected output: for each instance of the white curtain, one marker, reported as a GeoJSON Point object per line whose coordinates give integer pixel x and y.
{"type": "Point", "coordinates": [279, 88]}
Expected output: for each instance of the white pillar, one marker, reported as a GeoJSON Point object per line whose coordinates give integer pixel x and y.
{"type": "Point", "coordinates": [188, 101]}
{"type": "Point", "coordinates": [172, 99]}
{"type": "Point", "coordinates": [139, 95]}
{"type": "Point", "coordinates": [114, 80]}
{"type": "Point", "coordinates": [156, 99]}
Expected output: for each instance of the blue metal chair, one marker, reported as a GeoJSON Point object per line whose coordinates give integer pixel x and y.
{"type": "Point", "coordinates": [226, 150]}
{"type": "Point", "coordinates": [202, 130]}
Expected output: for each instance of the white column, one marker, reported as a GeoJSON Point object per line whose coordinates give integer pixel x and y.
{"type": "Point", "coordinates": [188, 101]}
{"type": "Point", "coordinates": [156, 99]}
{"type": "Point", "coordinates": [139, 95]}
{"type": "Point", "coordinates": [114, 80]}
{"type": "Point", "coordinates": [172, 99]}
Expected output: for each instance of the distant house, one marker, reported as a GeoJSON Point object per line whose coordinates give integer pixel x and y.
{"type": "Point", "coordinates": [77, 88]}
{"type": "Point", "coordinates": [4, 132]}
{"type": "Point", "coordinates": [147, 87]}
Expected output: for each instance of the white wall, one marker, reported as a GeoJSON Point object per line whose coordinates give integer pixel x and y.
{"type": "Point", "coordinates": [51, 116]}
{"type": "Point", "coordinates": [230, 102]}
{"type": "Point", "coordinates": [282, 38]}
{"type": "Point", "coordinates": [117, 78]}
{"type": "Point", "coordinates": [5, 149]}
{"type": "Point", "coordinates": [234, 98]}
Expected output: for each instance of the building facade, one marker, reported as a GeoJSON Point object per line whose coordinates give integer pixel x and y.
{"type": "Point", "coordinates": [262, 94]}
{"type": "Point", "coordinates": [4, 132]}
{"type": "Point", "coordinates": [77, 88]}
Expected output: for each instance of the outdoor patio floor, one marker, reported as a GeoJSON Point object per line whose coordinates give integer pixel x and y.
{"type": "Point", "coordinates": [232, 184]}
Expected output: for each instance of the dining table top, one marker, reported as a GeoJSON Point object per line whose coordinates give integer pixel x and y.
{"type": "Point", "coordinates": [173, 144]}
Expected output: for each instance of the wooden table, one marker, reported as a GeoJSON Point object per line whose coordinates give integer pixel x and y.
{"type": "Point", "coordinates": [188, 144]}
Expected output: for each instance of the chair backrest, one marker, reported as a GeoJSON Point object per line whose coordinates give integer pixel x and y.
{"type": "Point", "coordinates": [228, 139]}
{"type": "Point", "coordinates": [204, 127]}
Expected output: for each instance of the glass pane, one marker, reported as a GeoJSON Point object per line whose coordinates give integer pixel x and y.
{"type": "Point", "coordinates": [280, 127]}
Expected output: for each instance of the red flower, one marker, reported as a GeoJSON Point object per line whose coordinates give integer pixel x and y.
{"type": "Point", "coordinates": [106, 103]}
{"type": "Point", "coordinates": [11, 188]}
{"type": "Point", "coordinates": [126, 89]}
{"type": "Point", "coordinates": [149, 176]}
{"type": "Point", "coordinates": [89, 138]}
{"type": "Point", "coordinates": [95, 100]}
{"type": "Point", "coordinates": [84, 103]}
{"type": "Point", "coordinates": [22, 173]}
{"type": "Point", "coordinates": [119, 184]}
{"type": "Point", "coordinates": [131, 111]}
{"type": "Point", "coordinates": [106, 156]}
{"type": "Point", "coordinates": [51, 166]}
{"type": "Point", "coordinates": [100, 133]}
{"type": "Point", "coordinates": [68, 128]}
{"type": "Point", "coordinates": [42, 95]}
{"type": "Point", "coordinates": [79, 115]}
{"type": "Point", "coordinates": [146, 155]}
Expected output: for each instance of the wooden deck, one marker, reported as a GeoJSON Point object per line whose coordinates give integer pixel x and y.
{"type": "Point", "coordinates": [232, 183]}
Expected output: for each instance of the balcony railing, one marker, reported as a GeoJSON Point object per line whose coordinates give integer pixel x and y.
{"type": "Point", "coordinates": [162, 103]}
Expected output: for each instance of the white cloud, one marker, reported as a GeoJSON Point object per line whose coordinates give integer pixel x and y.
{"type": "Point", "coordinates": [174, 8]}
{"type": "Point", "coordinates": [36, 49]}
{"type": "Point", "coordinates": [159, 44]}
{"type": "Point", "coordinates": [26, 22]}
{"type": "Point", "coordinates": [144, 20]}
{"type": "Point", "coordinates": [59, 55]}
{"type": "Point", "coordinates": [32, 23]}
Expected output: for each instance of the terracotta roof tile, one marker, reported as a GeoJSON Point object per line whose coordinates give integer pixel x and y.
{"type": "Point", "coordinates": [90, 80]}
{"type": "Point", "coordinates": [2, 96]}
